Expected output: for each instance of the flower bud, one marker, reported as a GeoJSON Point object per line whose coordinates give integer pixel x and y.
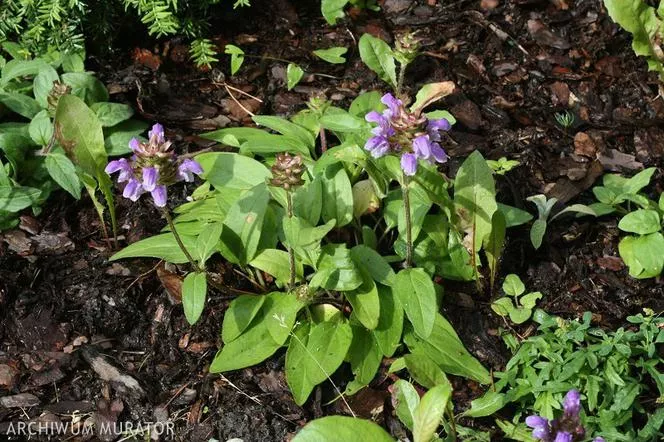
{"type": "Point", "coordinates": [58, 90]}
{"type": "Point", "coordinates": [287, 171]}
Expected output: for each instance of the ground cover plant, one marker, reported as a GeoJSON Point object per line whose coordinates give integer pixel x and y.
{"type": "Point", "coordinates": [336, 220]}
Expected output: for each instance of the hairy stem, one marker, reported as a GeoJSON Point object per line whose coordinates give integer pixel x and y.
{"type": "Point", "coordinates": [323, 140]}
{"type": "Point", "coordinates": [291, 252]}
{"type": "Point", "coordinates": [400, 80]}
{"type": "Point", "coordinates": [171, 225]}
{"type": "Point", "coordinates": [409, 223]}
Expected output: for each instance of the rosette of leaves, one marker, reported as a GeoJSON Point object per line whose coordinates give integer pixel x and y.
{"type": "Point", "coordinates": [517, 305]}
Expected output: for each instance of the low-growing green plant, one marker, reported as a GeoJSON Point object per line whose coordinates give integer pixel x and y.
{"type": "Point", "coordinates": [502, 165]}
{"type": "Point", "coordinates": [643, 249]}
{"type": "Point", "coordinates": [516, 305]}
{"type": "Point", "coordinates": [333, 10]}
{"type": "Point", "coordinates": [645, 24]}
{"type": "Point", "coordinates": [617, 373]}
{"type": "Point", "coordinates": [59, 130]}
{"type": "Point", "coordinates": [544, 208]}
{"type": "Point", "coordinates": [327, 227]}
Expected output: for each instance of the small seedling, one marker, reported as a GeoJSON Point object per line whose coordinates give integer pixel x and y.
{"type": "Point", "coordinates": [544, 208]}
{"type": "Point", "coordinates": [521, 308]}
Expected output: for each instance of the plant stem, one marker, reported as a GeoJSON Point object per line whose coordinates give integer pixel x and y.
{"type": "Point", "coordinates": [291, 253]}
{"type": "Point", "coordinates": [400, 80]}
{"type": "Point", "coordinates": [409, 224]}
{"type": "Point", "coordinates": [323, 140]}
{"type": "Point", "coordinates": [169, 219]}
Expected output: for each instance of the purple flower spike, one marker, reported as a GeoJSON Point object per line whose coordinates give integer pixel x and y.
{"type": "Point", "coordinates": [159, 195]}
{"type": "Point", "coordinates": [150, 178]}
{"type": "Point", "coordinates": [122, 166]}
{"type": "Point", "coordinates": [409, 164]}
{"type": "Point", "coordinates": [157, 132]}
{"type": "Point", "coordinates": [540, 426]}
{"type": "Point", "coordinates": [563, 436]}
{"type": "Point", "coordinates": [187, 169]}
{"type": "Point", "coordinates": [133, 190]}
{"type": "Point", "coordinates": [422, 147]}
{"type": "Point", "coordinates": [393, 104]}
{"type": "Point", "coordinates": [572, 403]}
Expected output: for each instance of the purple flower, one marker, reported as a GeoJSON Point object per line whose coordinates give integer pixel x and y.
{"type": "Point", "coordinates": [158, 133]}
{"type": "Point", "coordinates": [152, 168]}
{"type": "Point", "coordinates": [599, 439]}
{"type": "Point", "coordinates": [409, 164]}
{"type": "Point", "coordinates": [393, 105]}
{"type": "Point", "coordinates": [134, 145]}
{"type": "Point", "coordinates": [159, 195]}
{"type": "Point", "coordinates": [133, 190]}
{"type": "Point", "coordinates": [563, 436]}
{"type": "Point", "coordinates": [122, 166]}
{"type": "Point", "coordinates": [438, 153]}
{"type": "Point", "coordinates": [150, 178]}
{"type": "Point", "coordinates": [572, 403]}
{"type": "Point", "coordinates": [422, 147]}
{"type": "Point", "coordinates": [540, 426]}
{"type": "Point", "coordinates": [378, 146]}
{"type": "Point", "coordinates": [187, 169]}
{"type": "Point", "coordinates": [435, 126]}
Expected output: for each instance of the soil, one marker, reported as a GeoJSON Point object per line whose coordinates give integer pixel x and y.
{"type": "Point", "coordinates": [64, 307]}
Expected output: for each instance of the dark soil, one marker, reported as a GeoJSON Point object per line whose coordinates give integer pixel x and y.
{"type": "Point", "coordinates": [63, 305]}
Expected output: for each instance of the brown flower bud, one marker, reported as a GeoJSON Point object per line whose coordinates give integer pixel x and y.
{"type": "Point", "coordinates": [287, 171]}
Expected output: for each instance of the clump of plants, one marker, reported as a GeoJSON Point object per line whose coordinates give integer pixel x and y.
{"type": "Point", "coordinates": [59, 129]}
{"type": "Point", "coordinates": [616, 375]}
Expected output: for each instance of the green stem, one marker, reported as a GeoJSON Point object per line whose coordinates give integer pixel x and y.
{"type": "Point", "coordinates": [291, 252]}
{"type": "Point", "coordinates": [400, 80]}
{"type": "Point", "coordinates": [171, 225]}
{"type": "Point", "coordinates": [409, 223]}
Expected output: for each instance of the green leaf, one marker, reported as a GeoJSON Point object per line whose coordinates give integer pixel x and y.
{"type": "Point", "coordinates": [21, 104]}
{"type": "Point", "coordinates": [241, 311]}
{"type": "Point", "coordinates": [294, 74]}
{"type": "Point", "coordinates": [73, 62]}
{"type": "Point", "coordinates": [237, 57]}
{"type": "Point", "coordinates": [15, 198]}
{"type": "Point", "coordinates": [365, 303]}
{"type": "Point", "coordinates": [43, 84]}
{"type": "Point", "coordinates": [475, 197]}
{"type": "Point", "coordinates": [81, 134]}
{"type": "Point", "coordinates": [63, 172]}
{"type": "Point", "coordinates": [337, 194]}
{"type": "Point", "coordinates": [644, 255]}
{"type": "Point", "coordinates": [378, 56]}
{"type": "Point", "coordinates": [280, 314]}
{"type": "Point", "coordinates": [161, 246]}
{"type": "Point", "coordinates": [444, 347]}
{"type": "Point", "coordinates": [342, 429]}
{"type": "Point", "coordinates": [332, 55]}
{"type": "Point", "coordinates": [486, 405]}
{"type": "Point", "coordinates": [20, 68]}
{"type": "Point", "coordinates": [252, 347]}
{"type": "Point", "coordinates": [390, 322]}
{"type": "Point", "coordinates": [365, 199]}
{"type": "Point", "coordinates": [332, 10]}
{"type": "Point", "coordinates": [405, 399]}
{"type": "Point", "coordinates": [287, 128]}
{"type": "Point", "coordinates": [502, 306]}
{"type": "Point", "coordinates": [438, 114]}
{"type": "Point", "coordinates": [514, 216]}
{"type": "Point", "coordinates": [315, 352]}
{"type": "Point", "coordinates": [244, 223]}
{"type": "Point", "coordinates": [194, 292]}
{"type": "Point", "coordinates": [110, 114]}
{"type": "Point", "coordinates": [425, 371]}
{"type": "Point", "coordinates": [232, 170]}
{"type": "Point", "coordinates": [207, 241]}
{"type": "Point", "coordinates": [41, 129]}
{"type": "Point", "coordinates": [336, 269]}
{"type": "Point", "coordinates": [308, 201]}
{"type": "Point", "coordinates": [429, 412]}
{"type": "Point", "coordinates": [513, 285]}
{"type": "Point", "coordinates": [365, 103]}
{"type": "Point", "coordinates": [641, 221]}
{"type": "Point", "coordinates": [417, 296]}
{"type": "Point", "coordinates": [537, 231]}
{"type": "Point", "coordinates": [276, 263]}
{"type": "Point", "coordinates": [493, 247]}
{"type": "Point", "coordinates": [364, 355]}
{"type": "Point", "coordinates": [116, 138]}
{"type": "Point", "coordinates": [86, 87]}
{"type": "Point", "coordinates": [373, 263]}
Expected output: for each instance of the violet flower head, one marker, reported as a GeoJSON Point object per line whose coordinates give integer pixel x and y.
{"type": "Point", "coordinates": [567, 428]}
{"type": "Point", "coordinates": [411, 136]}
{"type": "Point", "coordinates": [152, 168]}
